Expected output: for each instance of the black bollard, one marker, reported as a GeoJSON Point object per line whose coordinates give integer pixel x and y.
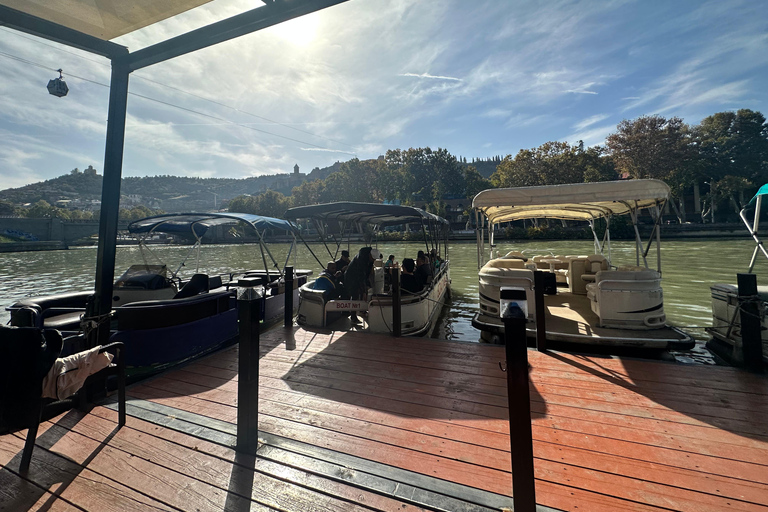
{"type": "Point", "coordinates": [751, 326]}
{"type": "Point", "coordinates": [541, 311]}
{"type": "Point", "coordinates": [518, 395]}
{"type": "Point", "coordinates": [288, 297]}
{"type": "Point", "coordinates": [249, 297]}
{"type": "Point", "coordinates": [397, 323]}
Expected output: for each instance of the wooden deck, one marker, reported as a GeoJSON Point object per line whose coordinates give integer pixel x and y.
{"type": "Point", "coordinates": [352, 421]}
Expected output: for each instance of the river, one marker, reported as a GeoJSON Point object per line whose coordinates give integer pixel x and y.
{"type": "Point", "coordinates": [688, 267]}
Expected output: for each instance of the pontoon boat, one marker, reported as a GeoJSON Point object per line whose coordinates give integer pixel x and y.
{"type": "Point", "coordinates": [588, 299]}
{"type": "Point", "coordinates": [337, 222]}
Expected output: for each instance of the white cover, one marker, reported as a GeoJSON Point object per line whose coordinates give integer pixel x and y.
{"type": "Point", "coordinates": [576, 201]}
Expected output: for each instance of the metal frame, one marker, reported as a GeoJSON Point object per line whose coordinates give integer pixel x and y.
{"type": "Point", "coordinates": [123, 63]}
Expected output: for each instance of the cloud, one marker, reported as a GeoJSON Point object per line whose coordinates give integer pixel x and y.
{"type": "Point", "coordinates": [593, 137]}
{"type": "Point", "coordinates": [425, 75]}
{"type": "Point", "coordinates": [590, 121]}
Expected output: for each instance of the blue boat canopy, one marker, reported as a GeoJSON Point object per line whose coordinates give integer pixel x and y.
{"type": "Point", "coordinates": [185, 223]}
{"type": "Point", "coordinates": [761, 192]}
{"type": "Point", "coordinates": [369, 213]}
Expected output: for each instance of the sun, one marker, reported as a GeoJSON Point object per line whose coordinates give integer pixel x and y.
{"type": "Point", "coordinates": [300, 31]}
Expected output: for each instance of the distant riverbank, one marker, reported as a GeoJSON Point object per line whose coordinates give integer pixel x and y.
{"type": "Point", "coordinates": [668, 232]}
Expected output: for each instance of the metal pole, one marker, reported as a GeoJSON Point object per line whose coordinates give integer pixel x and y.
{"type": "Point", "coordinates": [110, 202]}
{"type": "Point", "coordinates": [288, 297]}
{"type": "Point", "coordinates": [248, 311]}
{"type": "Point", "coordinates": [396, 312]}
{"type": "Point", "coordinates": [541, 311]}
{"type": "Point", "coordinates": [520, 434]}
{"type": "Point", "coordinates": [751, 337]}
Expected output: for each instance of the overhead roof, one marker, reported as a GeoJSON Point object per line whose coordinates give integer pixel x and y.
{"type": "Point", "coordinates": [575, 201]}
{"type": "Point", "coordinates": [184, 223]}
{"type": "Point", "coordinates": [369, 213]}
{"type": "Point", "coordinates": [104, 19]}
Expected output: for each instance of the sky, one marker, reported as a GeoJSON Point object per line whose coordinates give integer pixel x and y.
{"type": "Point", "coordinates": [480, 79]}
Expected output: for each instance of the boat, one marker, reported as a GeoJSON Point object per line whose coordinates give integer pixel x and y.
{"type": "Point", "coordinates": [726, 335]}
{"type": "Point", "coordinates": [588, 299]}
{"type": "Point", "coordinates": [163, 319]}
{"type": "Point", "coordinates": [419, 311]}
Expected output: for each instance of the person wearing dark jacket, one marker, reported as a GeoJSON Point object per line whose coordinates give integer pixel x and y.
{"type": "Point", "coordinates": [343, 262]}
{"type": "Point", "coordinates": [408, 281]}
{"type": "Point", "coordinates": [357, 274]}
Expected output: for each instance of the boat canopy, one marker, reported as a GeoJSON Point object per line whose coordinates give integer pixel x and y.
{"type": "Point", "coordinates": [184, 223]}
{"type": "Point", "coordinates": [574, 201]}
{"type": "Point", "coordinates": [369, 213]}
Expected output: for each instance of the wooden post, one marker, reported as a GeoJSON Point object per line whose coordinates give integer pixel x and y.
{"type": "Point", "coordinates": [396, 302]}
{"type": "Point", "coordinates": [751, 326]}
{"type": "Point", "coordinates": [288, 297]}
{"type": "Point", "coordinates": [541, 311]}
{"type": "Point", "coordinates": [249, 297]}
{"type": "Point", "coordinates": [520, 434]}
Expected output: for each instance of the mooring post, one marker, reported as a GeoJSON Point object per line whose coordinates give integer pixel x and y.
{"type": "Point", "coordinates": [751, 326]}
{"type": "Point", "coordinates": [541, 324]}
{"type": "Point", "coordinates": [396, 302]}
{"type": "Point", "coordinates": [520, 435]}
{"type": "Point", "coordinates": [288, 297]}
{"type": "Point", "coordinates": [249, 297]}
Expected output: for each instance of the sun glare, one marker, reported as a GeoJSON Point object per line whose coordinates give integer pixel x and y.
{"type": "Point", "coordinates": [300, 31]}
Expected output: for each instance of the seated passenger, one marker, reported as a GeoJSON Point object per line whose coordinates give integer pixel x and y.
{"type": "Point", "coordinates": [423, 271]}
{"type": "Point", "coordinates": [328, 282]}
{"type": "Point", "coordinates": [390, 261]}
{"type": "Point", "coordinates": [408, 281]}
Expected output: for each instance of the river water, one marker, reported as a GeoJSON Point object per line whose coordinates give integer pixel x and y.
{"type": "Point", "coordinates": [688, 268]}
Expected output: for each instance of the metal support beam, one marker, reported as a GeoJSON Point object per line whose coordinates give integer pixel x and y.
{"type": "Point", "coordinates": [39, 27]}
{"type": "Point", "coordinates": [110, 201]}
{"type": "Point", "coordinates": [231, 28]}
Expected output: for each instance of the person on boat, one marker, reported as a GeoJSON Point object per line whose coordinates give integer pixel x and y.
{"type": "Point", "coordinates": [390, 261]}
{"type": "Point", "coordinates": [343, 262]}
{"type": "Point", "coordinates": [359, 274]}
{"type": "Point", "coordinates": [328, 282]}
{"type": "Point", "coordinates": [437, 261]}
{"type": "Point", "coordinates": [388, 265]}
{"type": "Point", "coordinates": [423, 271]}
{"type": "Point", "coordinates": [408, 281]}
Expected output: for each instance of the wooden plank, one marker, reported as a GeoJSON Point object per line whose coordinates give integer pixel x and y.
{"type": "Point", "coordinates": [271, 484]}
{"type": "Point", "coordinates": [69, 484]}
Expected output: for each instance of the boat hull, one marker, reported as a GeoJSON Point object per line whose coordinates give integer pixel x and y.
{"type": "Point", "coordinates": [726, 339]}
{"type": "Point", "coordinates": [418, 313]}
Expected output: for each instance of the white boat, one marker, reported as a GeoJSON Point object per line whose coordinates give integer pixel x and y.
{"type": "Point", "coordinates": [726, 339]}
{"type": "Point", "coordinates": [588, 299]}
{"type": "Point", "coordinates": [419, 312]}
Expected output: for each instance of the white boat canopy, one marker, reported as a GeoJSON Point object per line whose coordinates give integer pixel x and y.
{"type": "Point", "coordinates": [574, 201]}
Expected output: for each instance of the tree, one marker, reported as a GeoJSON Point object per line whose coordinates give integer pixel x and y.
{"type": "Point", "coordinates": [552, 163]}
{"type": "Point", "coordinates": [474, 182]}
{"type": "Point", "coordinates": [656, 147]}
{"type": "Point", "coordinates": [649, 146]}
{"type": "Point", "coordinates": [733, 152]}
{"type": "Point", "coordinates": [308, 192]}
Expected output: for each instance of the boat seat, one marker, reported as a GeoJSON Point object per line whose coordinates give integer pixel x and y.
{"type": "Point", "coordinates": [214, 282]}
{"type": "Point", "coordinates": [627, 299]}
{"type": "Point", "coordinates": [196, 285]}
{"type": "Point", "coordinates": [506, 263]}
{"type": "Point", "coordinates": [595, 263]}
{"type": "Point", "coordinates": [515, 254]}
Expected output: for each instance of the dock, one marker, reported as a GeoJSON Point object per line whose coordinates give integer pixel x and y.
{"type": "Point", "coordinates": [351, 421]}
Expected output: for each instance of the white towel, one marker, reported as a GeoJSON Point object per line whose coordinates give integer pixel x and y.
{"type": "Point", "coordinates": [69, 373]}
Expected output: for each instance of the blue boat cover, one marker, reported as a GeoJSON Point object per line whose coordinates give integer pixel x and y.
{"type": "Point", "coordinates": [761, 192]}
{"type": "Point", "coordinates": [184, 223]}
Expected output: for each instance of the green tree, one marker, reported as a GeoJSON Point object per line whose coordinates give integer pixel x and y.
{"type": "Point", "coordinates": [552, 163]}
{"type": "Point", "coordinates": [733, 152]}
{"type": "Point", "coordinates": [308, 192]}
{"type": "Point", "coordinates": [474, 182]}
{"type": "Point", "coordinates": [650, 146]}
